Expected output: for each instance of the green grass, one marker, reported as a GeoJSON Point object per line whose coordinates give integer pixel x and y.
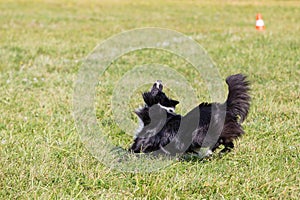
{"type": "Point", "coordinates": [42, 46]}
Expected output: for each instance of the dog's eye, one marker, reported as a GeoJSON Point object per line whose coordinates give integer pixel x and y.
{"type": "Point", "coordinates": [170, 110]}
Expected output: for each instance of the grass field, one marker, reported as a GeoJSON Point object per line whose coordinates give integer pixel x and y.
{"type": "Point", "coordinates": [42, 46]}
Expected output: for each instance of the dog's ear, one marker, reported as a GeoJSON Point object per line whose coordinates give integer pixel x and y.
{"type": "Point", "coordinates": [174, 103]}
{"type": "Point", "coordinates": [147, 96]}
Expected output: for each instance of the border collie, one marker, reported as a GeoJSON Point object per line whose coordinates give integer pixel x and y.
{"type": "Point", "coordinates": [209, 125]}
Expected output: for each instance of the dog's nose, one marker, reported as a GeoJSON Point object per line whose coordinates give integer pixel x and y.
{"type": "Point", "coordinates": [159, 84]}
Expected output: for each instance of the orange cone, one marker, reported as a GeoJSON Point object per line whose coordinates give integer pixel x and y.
{"type": "Point", "coordinates": [260, 25]}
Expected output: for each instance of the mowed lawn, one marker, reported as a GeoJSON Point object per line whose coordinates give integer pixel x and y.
{"type": "Point", "coordinates": [42, 46]}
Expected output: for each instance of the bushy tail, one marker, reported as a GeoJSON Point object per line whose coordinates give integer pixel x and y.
{"type": "Point", "coordinates": [238, 100]}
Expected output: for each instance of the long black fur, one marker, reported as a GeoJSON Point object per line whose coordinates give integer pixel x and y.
{"type": "Point", "coordinates": [170, 133]}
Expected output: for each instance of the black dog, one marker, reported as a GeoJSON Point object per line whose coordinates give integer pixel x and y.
{"type": "Point", "coordinates": [209, 125]}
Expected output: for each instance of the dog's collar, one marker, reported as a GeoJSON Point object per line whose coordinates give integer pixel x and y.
{"type": "Point", "coordinates": [168, 109]}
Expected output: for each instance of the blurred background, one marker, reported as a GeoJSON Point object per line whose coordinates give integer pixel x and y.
{"type": "Point", "coordinates": [42, 46]}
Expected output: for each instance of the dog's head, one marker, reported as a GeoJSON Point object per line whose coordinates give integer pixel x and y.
{"type": "Point", "coordinates": [158, 108]}
{"type": "Point", "coordinates": [156, 96]}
